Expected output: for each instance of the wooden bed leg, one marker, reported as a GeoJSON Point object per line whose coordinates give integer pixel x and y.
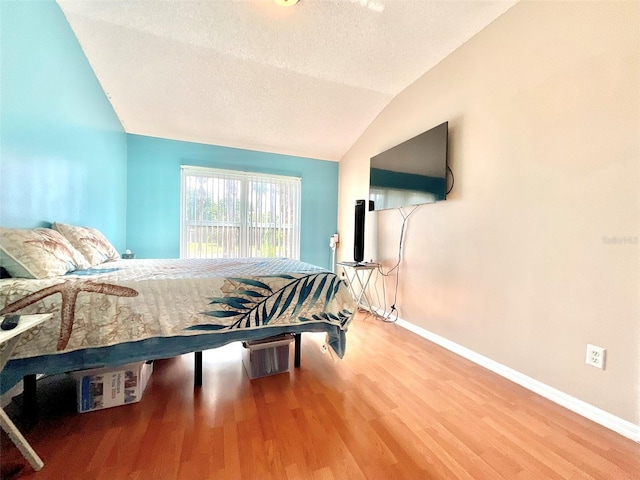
{"type": "Point", "coordinates": [197, 371]}
{"type": "Point", "coordinates": [29, 398]}
{"type": "Point", "coordinates": [296, 349]}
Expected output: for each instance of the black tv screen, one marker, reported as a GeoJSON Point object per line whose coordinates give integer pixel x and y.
{"type": "Point", "coordinates": [412, 173]}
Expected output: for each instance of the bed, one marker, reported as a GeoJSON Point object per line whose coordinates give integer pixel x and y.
{"type": "Point", "coordinates": [125, 311]}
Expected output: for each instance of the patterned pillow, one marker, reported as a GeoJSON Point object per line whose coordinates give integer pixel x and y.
{"type": "Point", "coordinates": [90, 242]}
{"type": "Point", "coordinates": [38, 253]}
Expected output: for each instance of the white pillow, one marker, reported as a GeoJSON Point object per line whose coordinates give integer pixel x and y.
{"type": "Point", "coordinates": [90, 242]}
{"type": "Point", "coordinates": [38, 253]}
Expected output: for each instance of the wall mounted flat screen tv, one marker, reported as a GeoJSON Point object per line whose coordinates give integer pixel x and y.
{"type": "Point", "coordinates": [412, 173]}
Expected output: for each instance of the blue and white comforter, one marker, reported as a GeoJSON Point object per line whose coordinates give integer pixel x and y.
{"type": "Point", "coordinates": [137, 300]}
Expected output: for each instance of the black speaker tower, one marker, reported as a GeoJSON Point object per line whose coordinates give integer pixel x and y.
{"type": "Point", "coordinates": [358, 237]}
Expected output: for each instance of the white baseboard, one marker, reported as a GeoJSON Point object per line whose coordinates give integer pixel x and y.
{"type": "Point", "coordinates": [602, 417]}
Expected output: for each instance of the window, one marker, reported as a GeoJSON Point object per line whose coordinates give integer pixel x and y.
{"type": "Point", "coordinates": [226, 214]}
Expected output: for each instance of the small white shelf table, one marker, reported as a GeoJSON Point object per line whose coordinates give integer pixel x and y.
{"type": "Point", "coordinates": [8, 341]}
{"type": "Point", "coordinates": [360, 274]}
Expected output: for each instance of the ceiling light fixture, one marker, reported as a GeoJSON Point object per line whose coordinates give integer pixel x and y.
{"type": "Point", "coordinates": [286, 3]}
{"type": "Point", "coordinates": [370, 4]}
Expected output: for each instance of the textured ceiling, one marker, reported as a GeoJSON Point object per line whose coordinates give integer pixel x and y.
{"type": "Point", "coordinates": [301, 80]}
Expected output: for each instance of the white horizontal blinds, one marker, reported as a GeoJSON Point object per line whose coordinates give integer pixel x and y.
{"type": "Point", "coordinates": [238, 214]}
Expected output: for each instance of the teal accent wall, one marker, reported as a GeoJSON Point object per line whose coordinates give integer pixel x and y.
{"type": "Point", "coordinates": [63, 151]}
{"type": "Point", "coordinates": [153, 193]}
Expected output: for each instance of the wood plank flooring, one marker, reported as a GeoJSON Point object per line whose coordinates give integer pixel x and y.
{"type": "Point", "coordinates": [396, 407]}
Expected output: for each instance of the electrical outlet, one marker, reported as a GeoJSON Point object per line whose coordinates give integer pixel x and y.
{"type": "Point", "coordinates": [595, 356]}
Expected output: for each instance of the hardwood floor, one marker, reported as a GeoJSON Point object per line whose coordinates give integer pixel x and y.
{"type": "Point", "coordinates": [396, 407]}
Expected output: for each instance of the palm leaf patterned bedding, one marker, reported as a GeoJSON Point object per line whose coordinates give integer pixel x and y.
{"type": "Point", "coordinates": [132, 300]}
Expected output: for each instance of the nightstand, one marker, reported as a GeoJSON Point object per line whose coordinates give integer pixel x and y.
{"type": "Point", "coordinates": [8, 341]}
{"type": "Point", "coordinates": [360, 273]}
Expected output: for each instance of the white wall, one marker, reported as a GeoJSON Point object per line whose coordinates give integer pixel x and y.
{"type": "Point", "coordinates": [517, 265]}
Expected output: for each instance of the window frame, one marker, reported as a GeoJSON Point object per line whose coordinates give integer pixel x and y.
{"type": "Point", "coordinates": [245, 178]}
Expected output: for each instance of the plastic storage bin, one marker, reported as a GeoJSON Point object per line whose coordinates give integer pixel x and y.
{"type": "Point", "coordinates": [267, 357]}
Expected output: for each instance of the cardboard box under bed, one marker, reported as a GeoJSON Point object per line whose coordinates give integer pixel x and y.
{"type": "Point", "coordinates": [100, 388]}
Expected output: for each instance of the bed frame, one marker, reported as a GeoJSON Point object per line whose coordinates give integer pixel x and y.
{"type": "Point", "coordinates": [30, 389]}
{"type": "Point", "coordinates": [241, 300]}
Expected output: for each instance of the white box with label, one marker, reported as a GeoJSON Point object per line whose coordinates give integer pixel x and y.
{"type": "Point", "coordinates": [109, 387]}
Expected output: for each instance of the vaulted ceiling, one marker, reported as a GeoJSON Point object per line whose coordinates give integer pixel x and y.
{"type": "Point", "coordinates": [301, 80]}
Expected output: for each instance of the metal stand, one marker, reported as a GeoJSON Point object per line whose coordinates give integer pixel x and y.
{"type": "Point", "coordinates": [360, 274]}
